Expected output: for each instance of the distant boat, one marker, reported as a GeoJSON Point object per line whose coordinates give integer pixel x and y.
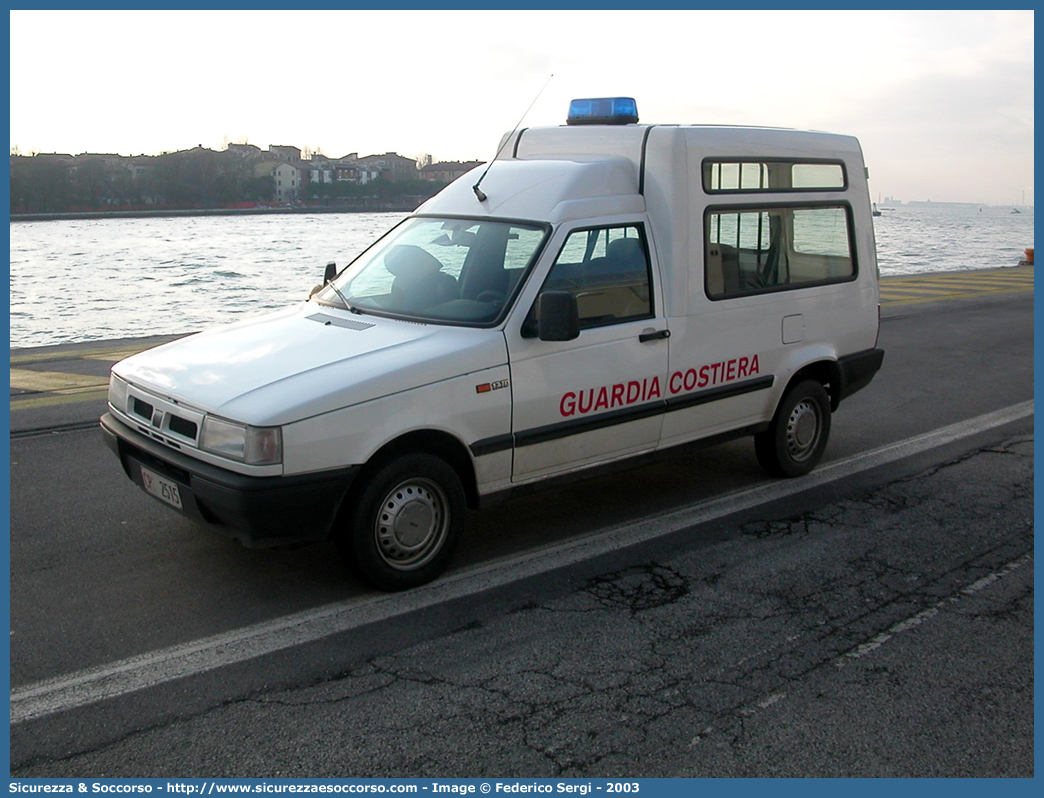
{"type": "Point", "coordinates": [876, 212]}
{"type": "Point", "coordinates": [1015, 210]}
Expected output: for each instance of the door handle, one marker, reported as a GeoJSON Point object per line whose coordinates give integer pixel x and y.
{"type": "Point", "coordinates": [654, 335]}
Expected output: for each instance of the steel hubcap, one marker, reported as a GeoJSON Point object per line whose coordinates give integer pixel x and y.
{"type": "Point", "coordinates": [803, 430]}
{"type": "Point", "coordinates": [412, 524]}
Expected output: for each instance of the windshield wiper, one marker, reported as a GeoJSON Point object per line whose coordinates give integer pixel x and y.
{"type": "Point", "coordinates": [328, 282]}
{"type": "Point", "coordinates": [344, 299]}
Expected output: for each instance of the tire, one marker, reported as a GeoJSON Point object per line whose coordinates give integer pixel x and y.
{"type": "Point", "coordinates": [797, 436]}
{"type": "Point", "coordinates": [405, 523]}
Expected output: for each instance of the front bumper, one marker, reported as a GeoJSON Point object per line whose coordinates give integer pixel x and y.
{"type": "Point", "coordinates": [257, 511]}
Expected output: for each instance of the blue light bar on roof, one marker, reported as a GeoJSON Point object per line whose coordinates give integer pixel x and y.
{"type": "Point", "coordinates": [603, 111]}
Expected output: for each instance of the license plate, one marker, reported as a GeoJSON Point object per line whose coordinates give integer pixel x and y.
{"type": "Point", "coordinates": [161, 488]}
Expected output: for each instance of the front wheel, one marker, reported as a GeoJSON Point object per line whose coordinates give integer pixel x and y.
{"type": "Point", "coordinates": [797, 435]}
{"type": "Point", "coordinates": [404, 523]}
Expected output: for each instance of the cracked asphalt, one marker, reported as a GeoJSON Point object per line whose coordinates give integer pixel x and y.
{"type": "Point", "coordinates": [879, 628]}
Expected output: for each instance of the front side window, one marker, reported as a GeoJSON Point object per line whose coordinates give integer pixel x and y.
{"type": "Point", "coordinates": [607, 269]}
{"type": "Point", "coordinates": [757, 250]}
{"type": "Point", "coordinates": [453, 270]}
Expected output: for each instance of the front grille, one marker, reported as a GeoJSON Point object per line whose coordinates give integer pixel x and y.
{"type": "Point", "coordinates": [182, 427]}
{"type": "Point", "coordinates": [164, 419]}
{"type": "Point", "coordinates": [143, 409]}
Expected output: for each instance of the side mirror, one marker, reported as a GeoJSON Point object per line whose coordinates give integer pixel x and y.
{"type": "Point", "coordinates": [558, 318]}
{"type": "Point", "coordinates": [328, 274]}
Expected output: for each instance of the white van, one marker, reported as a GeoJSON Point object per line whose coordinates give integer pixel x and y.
{"type": "Point", "coordinates": [600, 291]}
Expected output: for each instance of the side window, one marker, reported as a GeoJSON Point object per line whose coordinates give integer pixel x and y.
{"type": "Point", "coordinates": [607, 269]}
{"type": "Point", "coordinates": [738, 176]}
{"type": "Point", "coordinates": [757, 250]}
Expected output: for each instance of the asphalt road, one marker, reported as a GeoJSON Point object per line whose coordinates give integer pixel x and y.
{"type": "Point", "coordinates": [876, 623]}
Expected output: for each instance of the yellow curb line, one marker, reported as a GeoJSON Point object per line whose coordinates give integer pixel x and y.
{"type": "Point", "coordinates": [54, 381]}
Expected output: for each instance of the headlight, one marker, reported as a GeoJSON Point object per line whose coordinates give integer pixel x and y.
{"type": "Point", "coordinates": [251, 445]}
{"type": "Point", "coordinates": [117, 393]}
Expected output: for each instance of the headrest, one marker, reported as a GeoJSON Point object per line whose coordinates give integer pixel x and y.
{"type": "Point", "coordinates": [410, 261]}
{"type": "Point", "coordinates": [625, 254]}
{"type": "Point", "coordinates": [630, 248]}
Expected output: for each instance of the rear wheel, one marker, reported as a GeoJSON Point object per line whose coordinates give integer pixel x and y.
{"type": "Point", "coordinates": [797, 436]}
{"type": "Point", "coordinates": [405, 522]}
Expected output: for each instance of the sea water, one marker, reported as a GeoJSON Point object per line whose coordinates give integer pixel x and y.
{"type": "Point", "coordinates": [85, 280]}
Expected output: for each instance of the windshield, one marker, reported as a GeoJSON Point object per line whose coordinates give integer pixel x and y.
{"type": "Point", "coordinates": [454, 270]}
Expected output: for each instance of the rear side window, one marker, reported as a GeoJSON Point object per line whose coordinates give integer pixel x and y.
{"type": "Point", "coordinates": [738, 176]}
{"type": "Point", "coordinates": [756, 250]}
{"type": "Point", "coordinates": [607, 269]}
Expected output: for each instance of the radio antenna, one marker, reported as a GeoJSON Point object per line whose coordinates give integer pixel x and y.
{"type": "Point", "coordinates": [478, 191]}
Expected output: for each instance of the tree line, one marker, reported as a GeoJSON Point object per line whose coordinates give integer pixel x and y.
{"type": "Point", "coordinates": [199, 178]}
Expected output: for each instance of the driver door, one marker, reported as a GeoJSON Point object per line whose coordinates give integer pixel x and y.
{"type": "Point", "coordinates": [600, 396]}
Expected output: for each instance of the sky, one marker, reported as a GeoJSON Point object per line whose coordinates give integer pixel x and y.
{"type": "Point", "coordinates": [941, 101]}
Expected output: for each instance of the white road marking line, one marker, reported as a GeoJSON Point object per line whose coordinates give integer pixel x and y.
{"type": "Point", "coordinates": [875, 643]}
{"type": "Point", "coordinates": [88, 686]}
{"type": "Point", "coordinates": [926, 614]}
